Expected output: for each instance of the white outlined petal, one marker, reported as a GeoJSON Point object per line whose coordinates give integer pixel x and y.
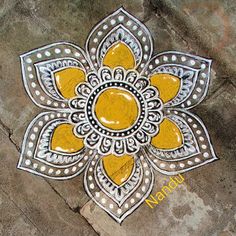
{"type": "Point", "coordinates": [38, 67]}
{"type": "Point", "coordinates": [196, 150]}
{"type": "Point", "coordinates": [120, 26]}
{"type": "Point", "coordinates": [119, 206]}
{"type": "Point", "coordinates": [37, 156]}
{"type": "Point", "coordinates": [193, 71]}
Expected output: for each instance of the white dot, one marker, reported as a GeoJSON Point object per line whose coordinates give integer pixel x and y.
{"type": "Point", "coordinates": [126, 205]}
{"type": "Point", "coordinates": [113, 21]}
{"type": "Point", "coordinates": [105, 27]}
{"type": "Point", "coordinates": [144, 39]}
{"type": "Point", "coordinates": [32, 136]}
{"type": "Point", "coordinates": [198, 131]}
{"type": "Point", "coordinates": [138, 195]}
{"type": "Point", "coordinates": [205, 154]}
{"type": "Point", "coordinates": [182, 165]}
{"type": "Point", "coordinates": [39, 55]}
{"type": "Point", "coordinates": [142, 65]}
{"type": "Point", "coordinates": [35, 165]}
{"type": "Point", "coordinates": [27, 162]}
{"type": "Point", "coordinates": [197, 160]}
{"type": "Point", "coordinates": [199, 90]}
{"type": "Point", "coordinates": [202, 82]}
{"type": "Point", "coordinates": [29, 153]}
{"type": "Point", "coordinates": [135, 27]}
{"type": "Point", "coordinates": [146, 181]}
{"type": "Point", "coordinates": [183, 58]}
{"type": "Point", "coordinates": [132, 200]}
{"type": "Point", "coordinates": [189, 103]}
{"type": "Point", "coordinates": [201, 139]}
{"type": "Point", "coordinates": [162, 165]}
{"type": "Point", "coordinates": [40, 123]}
{"type": "Point", "coordinates": [43, 168]}
{"type": "Point", "coordinates": [143, 189]}
{"type": "Point", "coordinates": [194, 96]}
{"type": "Point", "coordinates": [129, 23]}
{"type": "Point", "coordinates": [93, 50]}
{"type": "Point", "coordinates": [47, 53]}
{"type": "Point", "coordinates": [203, 66]}
{"type": "Point", "coordinates": [157, 61]}
{"type": "Point", "coordinates": [204, 75]}
{"type": "Point", "coordinates": [111, 206]}
{"type": "Point", "coordinates": [91, 186]}
{"type": "Point", "coordinates": [173, 58]}
{"type": "Point", "coordinates": [140, 33]}
{"type": "Point", "coordinates": [58, 172]}
{"type": "Point", "coordinates": [119, 211]}
{"type": "Point", "coordinates": [29, 68]}
{"type": "Point", "coordinates": [97, 194]}
{"type": "Point", "coordinates": [31, 144]}
{"type": "Point", "coordinates": [165, 58]}
{"type": "Point", "coordinates": [190, 120]}
{"type": "Point", "coordinates": [103, 200]}
{"type": "Point", "coordinates": [28, 60]}
{"type": "Point", "coordinates": [37, 92]}
{"type": "Point", "coordinates": [194, 126]}
{"type": "Point", "coordinates": [57, 50]}
{"type": "Point", "coordinates": [192, 62]}
{"type": "Point", "coordinates": [85, 158]}
{"type": "Point", "coordinates": [121, 18]}
{"type": "Point", "coordinates": [146, 48]}
{"type": "Point", "coordinates": [90, 177]}
{"type": "Point", "coordinates": [50, 171]}
{"type": "Point", "coordinates": [80, 164]}
{"type": "Point", "coordinates": [74, 169]}
{"type": "Point", "coordinates": [33, 85]}
{"type": "Point", "coordinates": [67, 50]}
{"type": "Point", "coordinates": [95, 40]}
{"type": "Point", "coordinates": [172, 166]}
{"type": "Point", "coordinates": [190, 162]}
{"type": "Point", "coordinates": [77, 54]}
{"type": "Point", "coordinates": [204, 146]}
{"type": "Point", "coordinates": [147, 172]}
{"type": "Point", "coordinates": [66, 171]}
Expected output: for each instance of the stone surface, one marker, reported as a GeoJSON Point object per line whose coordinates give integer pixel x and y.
{"type": "Point", "coordinates": [29, 206]}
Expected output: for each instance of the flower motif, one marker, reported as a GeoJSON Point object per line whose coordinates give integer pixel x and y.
{"type": "Point", "coordinates": [116, 111]}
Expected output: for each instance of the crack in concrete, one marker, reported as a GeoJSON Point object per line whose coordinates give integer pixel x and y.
{"type": "Point", "coordinates": [75, 210]}
{"type": "Point", "coordinates": [8, 133]}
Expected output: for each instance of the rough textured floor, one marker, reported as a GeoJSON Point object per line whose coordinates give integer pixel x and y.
{"type": "Point", "coordinates": [204, 205]}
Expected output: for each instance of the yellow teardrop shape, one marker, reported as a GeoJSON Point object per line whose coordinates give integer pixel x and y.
{"type": "Point", "coordinates": [119, 55]}
{"type": "Point", "coordinates": [168, 85]}
{"type": "Point", "coordinates": [118, 169]}
{"type": "Point", "coordinates": [169, 136]}
{"type": "Point", "coordinates": [67, 80]}
{"type": "Point", "coordinates": [64, 140]}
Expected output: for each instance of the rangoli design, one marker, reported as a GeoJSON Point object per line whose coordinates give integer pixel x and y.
{"type": "Point", "coordinates": [116, 112]}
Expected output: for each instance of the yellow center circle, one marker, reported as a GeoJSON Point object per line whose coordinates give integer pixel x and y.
{"type": "Point", "coordinates": [116, 109]}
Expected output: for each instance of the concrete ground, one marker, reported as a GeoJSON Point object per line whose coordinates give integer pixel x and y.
{"type": "Point", "coordinates": [204, 205]}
